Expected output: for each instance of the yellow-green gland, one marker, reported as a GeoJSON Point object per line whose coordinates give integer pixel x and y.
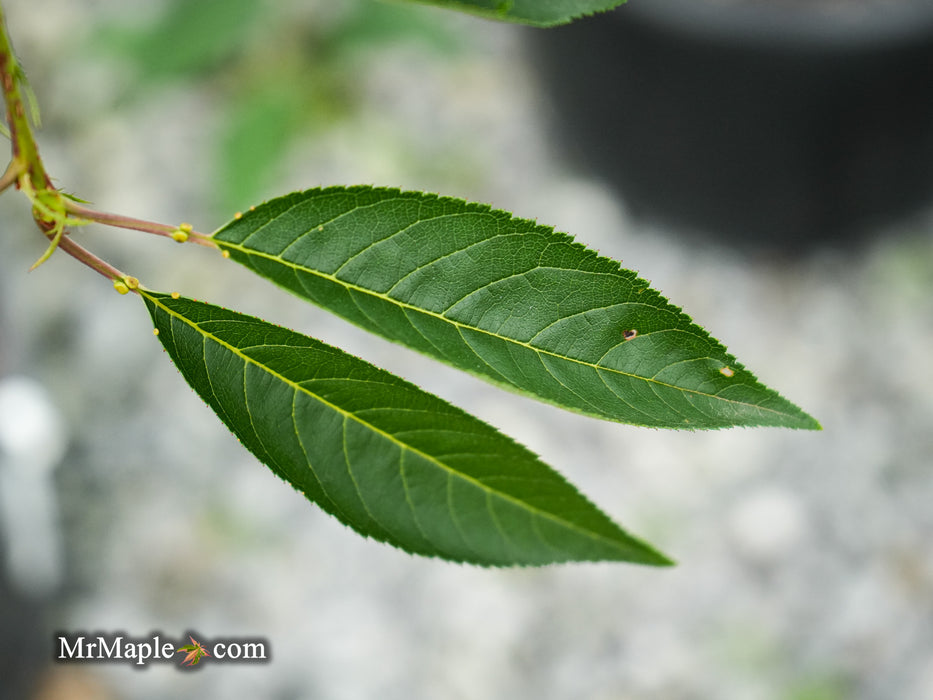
{"type": "Point", "coordinates": [180, 234]}
{"type": "Point", "coordinates": [123, 286]}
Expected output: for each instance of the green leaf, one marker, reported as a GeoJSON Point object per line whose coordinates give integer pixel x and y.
{"type": "Point", "coordinates": [260, 128]}
{"type": "Point", "coordinates": [186, 37]}
{"type": "Point", "coordinates": [506, 299]}
{"type": "Point", "coordinates": [388, 459]}
{"type": "Point", "coordinates": [540, 13]}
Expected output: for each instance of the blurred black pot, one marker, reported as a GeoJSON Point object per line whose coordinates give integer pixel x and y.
{"type": "Point", "coordinates": [779, 124]}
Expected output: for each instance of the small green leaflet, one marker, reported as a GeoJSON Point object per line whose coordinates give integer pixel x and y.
{"type": "Point", "coordinates": [540, 13]}
{"type": "Point", "coordinates": [386, 458]}
{"type": "Point", "coordinates": [506, 299]}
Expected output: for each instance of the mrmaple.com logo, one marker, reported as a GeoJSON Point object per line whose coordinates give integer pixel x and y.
{"type": "Point", "coordinates": [157, 648]}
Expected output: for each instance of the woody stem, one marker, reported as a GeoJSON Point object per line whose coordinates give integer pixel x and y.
{"type": "Point", "coordinates": [25, 150]}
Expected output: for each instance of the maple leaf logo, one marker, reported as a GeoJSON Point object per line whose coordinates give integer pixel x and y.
{"type": "Point", "coordinates": [195, 652]}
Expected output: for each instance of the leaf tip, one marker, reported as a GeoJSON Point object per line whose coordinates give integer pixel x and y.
{"type": "Point", "coordinates": [649, 556]}
{"type": "Point", "coordinates": [811, 423]}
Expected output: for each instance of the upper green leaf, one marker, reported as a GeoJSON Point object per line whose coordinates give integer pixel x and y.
{"type": "Point", "coordinates": [540, 13]}
{"type": "Point", "coordinates": [506, 299]}
{"type": "Point", "coordinates": [383, 456]}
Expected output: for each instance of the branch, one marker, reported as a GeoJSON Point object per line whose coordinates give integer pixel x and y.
{"type": "Point", "coordinates": [11, 174]}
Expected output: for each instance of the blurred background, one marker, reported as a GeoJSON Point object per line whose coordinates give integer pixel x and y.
{"type": "Point", "coordinates": [805, 559]}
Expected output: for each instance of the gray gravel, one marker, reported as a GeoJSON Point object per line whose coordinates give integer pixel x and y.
{"type": "Point", "coordinates": [805, 559]}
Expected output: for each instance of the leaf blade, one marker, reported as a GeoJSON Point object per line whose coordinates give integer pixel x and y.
{"type": "Point", "coordinates": [506, 299]}
{"type": "Point", "coordinates": [384, 457]}
{"type": "Point", "coordinates": [539, 13]}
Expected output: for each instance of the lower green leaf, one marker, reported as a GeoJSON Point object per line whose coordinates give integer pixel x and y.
{"type": "Point", "coordinates": [386, 458]}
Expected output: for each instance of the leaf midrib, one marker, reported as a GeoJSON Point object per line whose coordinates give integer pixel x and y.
{"type": "Point", "coordinates": [460, 326]}
{"type": "Point", "coordinates": [347, 414]}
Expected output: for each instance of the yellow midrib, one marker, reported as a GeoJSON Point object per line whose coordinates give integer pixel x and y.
{"type": "Point", "coordinates": [459, 325]}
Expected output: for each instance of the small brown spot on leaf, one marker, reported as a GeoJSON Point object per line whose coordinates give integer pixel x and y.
{"type": "Point", "coordinates": [727, 372]}
{"type": "Point", "coordinates": [629, 334]}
